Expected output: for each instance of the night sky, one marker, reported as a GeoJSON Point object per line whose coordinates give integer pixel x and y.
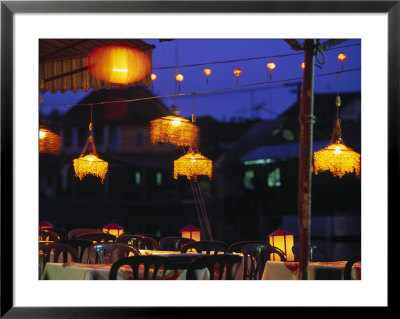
{"type": "Point", "coordinates": [259, 96]}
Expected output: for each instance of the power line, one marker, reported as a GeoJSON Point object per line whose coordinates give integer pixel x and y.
{"type": "Point", "coordinates": [198, 92]}
{"type": "Point", "coordinates": [244, 59]}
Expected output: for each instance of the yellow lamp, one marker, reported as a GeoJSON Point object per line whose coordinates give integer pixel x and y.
{"type": "Point", "coordinates": [90, 163]}
{"type": "Point", "coordinates": [270, 66]}
{"type": "Point", "coordinates": [49, 142]}
{"type": "Point", "coordinates": [283, 240]}
{"type": "Point", "coordinates": [113, 229]}
{"type": "Point", "coordinates": [176, 130]}
{"type": "Point", "coordinates": [207, 72]}
{"type": "Point", "coordinates": [119, 64]}
{"type": "Point", "coordinates": [337, 158]}
{"type": "Point", "coordinates": [191, 232]}
{"type": "Point", "coordinates": [192, 165]}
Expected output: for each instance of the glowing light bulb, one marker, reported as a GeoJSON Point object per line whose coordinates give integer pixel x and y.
{"type": "Point", "coordinates": [271, 65]}
{"type": "Point", "coordinates": [42, 134]}
{"type": "Point", "coordinates": [337, 150]}
{"type": "Point", "coordinates": [342, 57]}
{"type": "Point", "coordinates": [153, 76]}
{"type": "Point", "coordinates": [207, 71]}
{"type": "Point", "coordinates": [179, 77]}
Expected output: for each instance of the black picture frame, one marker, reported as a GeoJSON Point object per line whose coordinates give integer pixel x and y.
{"type": "Point", "coordinates": [9, 8]}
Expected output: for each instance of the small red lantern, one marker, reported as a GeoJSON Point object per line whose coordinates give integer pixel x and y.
{"type": "Point", "coordinates": [179, 77]}
{"type": "Point", "coordinates": [342, 57]}
{"type": "Point", "coordinates": [45, 225]}
{"type": "Point", "coordinates": [271, 66]}
{"type": "Point", "coordinates": [207, 72]}
{"type": "Point", "coordinates": [113, 229]}
{"type": "Point", "coordinates": [118, 64]}
{"type": "Point", "coordinates": [152, 78]}
{"type": "Point", "coordinates": [191, 232]}
{"type": "Point", "coordinates": [237, 72]}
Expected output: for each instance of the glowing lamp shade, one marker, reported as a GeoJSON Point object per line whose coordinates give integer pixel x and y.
{"type": "Point", "coordinates": [49, 142]}
{"type": "Point", "coordinates": [118, 64]}
{"type": "Point", "coordinates": [191, 232]}
{"type": "Point", "coordinates": [191, 165]}
{"type": "Point", "coordinates": [45, 225]}
{"type": "Point", "coordinates": [237, 72]}
{"type": "Point", "coordinates": [337, 158]}
{"type": "Point", "coordinates": [174, 129]}
{"type": "Point", "coordinates": [271, 66]}
{"type": "Point", "coordinates": [90, 164]}
{"type": "Point", "coordinates": [179, 77]}
{"type": "Point", "coordinates": [283, 240]}
{"type": "Point", "coordinates": [207, 71]}
{"type": "Point", "coordinates": [113, 229]}
{"type": "Point", "coordinates": [342, 57]}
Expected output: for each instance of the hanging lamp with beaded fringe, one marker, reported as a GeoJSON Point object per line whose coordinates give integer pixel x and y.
{"type": "Point", "coordinates": [336, 157]}
{"type": "Point", "coordinates": [90, 163]}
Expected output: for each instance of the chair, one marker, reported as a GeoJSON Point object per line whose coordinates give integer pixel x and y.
{"type": "Point", "coordinates": [61, 233]}
{"type": "Point", "coordinates": [48, 235]}
{"type": "Point", "coordinates": [104, 252]}
{"type": "Point", "coordinates": [158, 265]}
{"type": "Point", "coordinates": [97, 237]}
{"type": "Point", "coordinates": [139, 241]}
{"type": "Point", "coordinates": [217, 265]}
{"type": "Point", "coordinates": [349, 265]}
{"type": "Point", "coordinates": [80, 245]}
{"type": "Point", "coordinates": [72, 234]}
{"type": "Point", "coordinates": [155, 237]}
{"type": "Point", "coordinates": [57, 249]}
{"type": "Point", "coordinates": [206, 246]}
{"type": "Point", "coordinates": [238, 246]}
{"type": "Point", "coordinates": [255, 257]}
{"type": "Point", "coordinates": [174, 243]}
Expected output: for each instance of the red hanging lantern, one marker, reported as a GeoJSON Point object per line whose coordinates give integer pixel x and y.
{"type": "Point", "coordinates": [179, 78]}
{"type": "Point", "coordinates": [271, 66]}
{"type": "Point", "coordinates": [118, 64]}
{"type": "Point", "coordinates": [237, 72]}
{"type": "Point", "coordinates": [342, 57]}
{"type": "Point", "coordinates": [207, 72]}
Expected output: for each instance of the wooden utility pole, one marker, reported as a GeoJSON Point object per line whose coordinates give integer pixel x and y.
{"type": "Point", "coordinates": [306, 119]}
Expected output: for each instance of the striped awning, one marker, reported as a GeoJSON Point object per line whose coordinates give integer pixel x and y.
{"type": "Point", "coordinates": [62, 63]}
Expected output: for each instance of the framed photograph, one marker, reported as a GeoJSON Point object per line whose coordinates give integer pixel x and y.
{"type": "Point", "coordinates": [374, 25]}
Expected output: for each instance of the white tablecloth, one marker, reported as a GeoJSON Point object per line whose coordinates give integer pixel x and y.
{"type": "Point", "coordinates": [278, 270]}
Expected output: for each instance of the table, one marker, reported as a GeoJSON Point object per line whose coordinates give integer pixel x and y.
{"type": "Point", "coordinates": [176, 271]}
{"type": "Point", "coordinates": [278, 270]}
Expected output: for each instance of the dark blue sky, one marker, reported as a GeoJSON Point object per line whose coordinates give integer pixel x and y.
{"type": "Point", "coordinates": [265, 100]}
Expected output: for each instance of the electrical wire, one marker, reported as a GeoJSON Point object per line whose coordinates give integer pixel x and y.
{"type": "Point", "coordinates": [199, 92]}
{"type": "Point", "coordinates": [243, 59]}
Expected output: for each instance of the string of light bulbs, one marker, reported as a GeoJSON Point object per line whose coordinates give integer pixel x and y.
{"type": "Point", "coordinates": [199, 92]}
{"type": "Point", "coordinates": [243, 59]}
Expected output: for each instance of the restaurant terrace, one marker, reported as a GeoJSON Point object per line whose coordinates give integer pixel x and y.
{"type": "Point", "coordinates": [161, 159]}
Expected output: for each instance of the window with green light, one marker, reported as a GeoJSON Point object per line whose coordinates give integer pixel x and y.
{"type": "Point", "coordinates": [248, 179]}
{"type": "Point", "coordinates": [158, 178]}
{"type": "Point", "coordinates": [137, 178]}
{"type": "Point", "coordinates": [274, 178]}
